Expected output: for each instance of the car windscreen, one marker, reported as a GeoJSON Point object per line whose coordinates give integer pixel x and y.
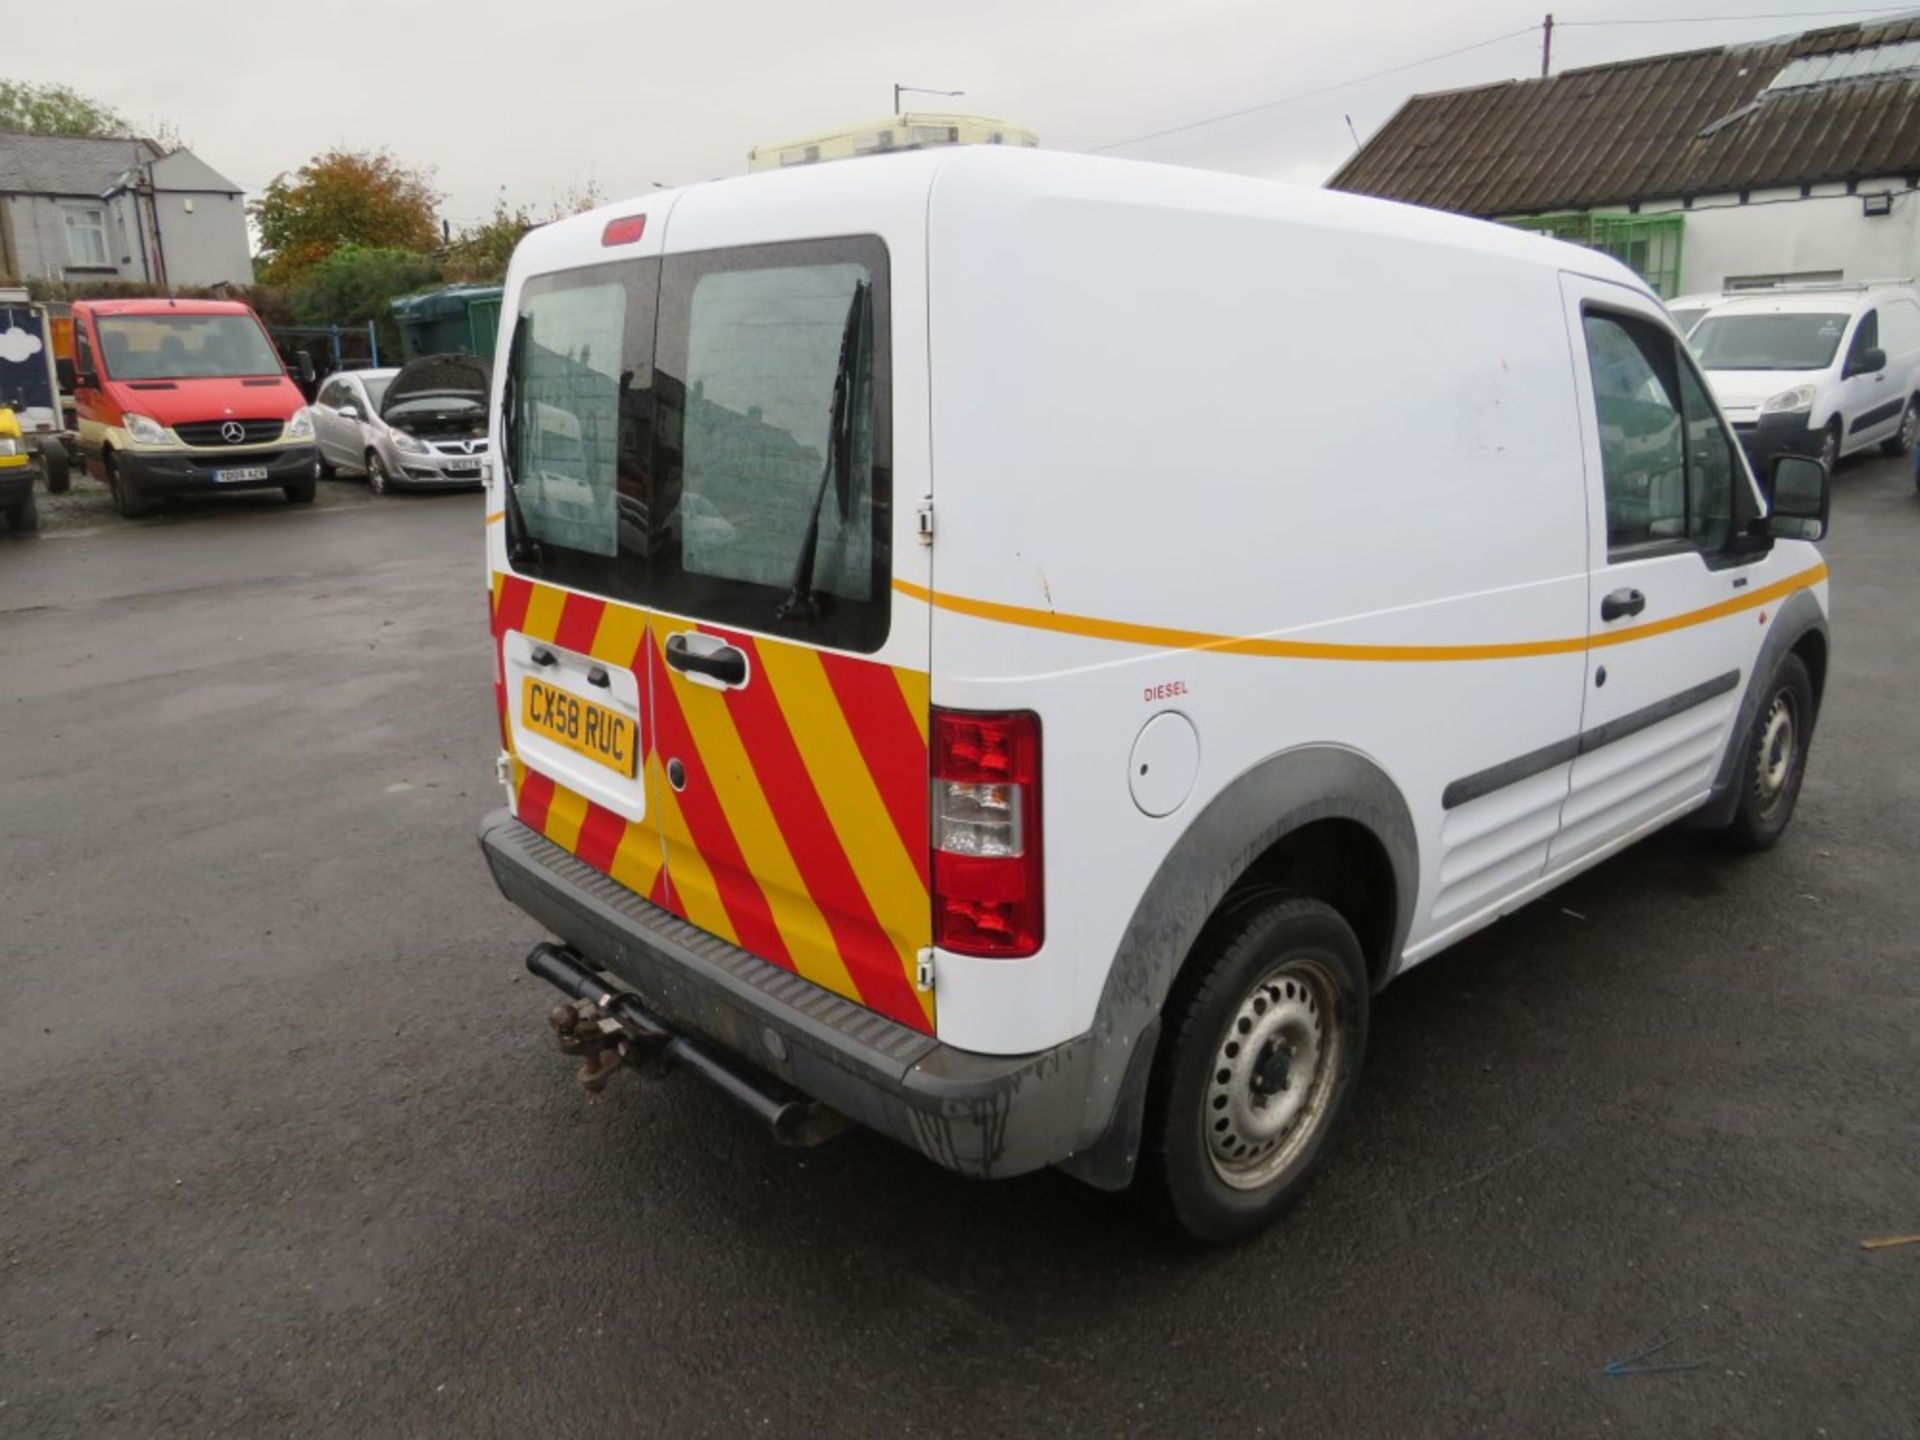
{"type": "Point", "coordinates": [184, 347]}
{"type": "Point", "coordinates": [1685, 317]}
{"type": "Point", "coordinates": [1768, 342]}
{"type": "Point", "coordinates": [375, 386]}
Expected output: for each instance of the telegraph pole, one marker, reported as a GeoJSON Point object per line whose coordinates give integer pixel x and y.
{"type": "Point", "coordinates": [1546, 46]}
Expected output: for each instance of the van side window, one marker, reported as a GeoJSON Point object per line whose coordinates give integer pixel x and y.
{"type": "Point", "coordinates": [1711, 466]}
{"type": "Point", "coordinates": [1866, 338]}
{"type": "Point", "coordinates": [1642, 448]}
{"type": "Point", "coordinates": [82, 349]}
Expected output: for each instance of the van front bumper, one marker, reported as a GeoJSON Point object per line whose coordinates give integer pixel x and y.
{"type": "Point", "coordinates": [188, 472]}
{"type": "Point", "coordinates": [979, 1115]}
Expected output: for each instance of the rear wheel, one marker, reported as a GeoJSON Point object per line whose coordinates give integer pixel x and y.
{"type": "Point", "coordinates": [24, 516]}
{"type": "Point", "coordinates": [59, 469]}
{"type": "Point", "coordinates": [127, 498]}
{"type": "Point", "coordinates": [1902, 443]}
{"type": "Point", "coordinates": [378, 480]}
{"type": "Point", "coordinates": [1258, 1064]}
{"type": "Point", "coordinates": [1773, 759]}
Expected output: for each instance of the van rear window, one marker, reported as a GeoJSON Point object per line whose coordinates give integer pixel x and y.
{"type": "Point", "coordinates": [731, 461]}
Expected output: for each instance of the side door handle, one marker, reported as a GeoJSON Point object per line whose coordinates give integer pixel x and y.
{"type": "Point", "coordinates": [1622, 603]}
{"type": "Point", "coordinates": [725, 664]}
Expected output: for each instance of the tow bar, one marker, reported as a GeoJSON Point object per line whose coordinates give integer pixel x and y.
{"type": "Point", "coordinates": [608, 1028]}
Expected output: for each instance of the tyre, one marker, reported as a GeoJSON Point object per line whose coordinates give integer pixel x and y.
{"type": "Point", "coordinates": [1260, 1050]}
{"type": "Point", "coordinates": [127, 499]}
{"type": "Point", "coordinates": [1830, 445]}
{"type": "Point", "coordinates": [378, 481]}
{"type": "Point", "coordinates": [327, 470]}
{"type": "Point", "coordinates": [301, 492]}
{"type": "Point", "coordinates": [1902, 443]}
{"type": "Point", "coordinates": [53, 455]}
{"type": "Point", "coordinates": [1773, 759]}
{"type": "Point", "coordinates": [24, 517]}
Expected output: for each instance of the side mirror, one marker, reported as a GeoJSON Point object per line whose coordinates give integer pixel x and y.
{"type": "Point", "coordinates": [303, 366]}
{"type": "Point", "coordinates": [63, 371]}
{"type": "Point", "coordinates": [1801, 494]}
{"type": "Point", "coordinates": [1868, 362]}
{"type": "Point", "coordinates": [348, 412]}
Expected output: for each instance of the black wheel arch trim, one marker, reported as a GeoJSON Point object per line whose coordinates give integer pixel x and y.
{"type": "Point", "coordinates": [1262, 806]}
{"type": "Point", "coordinates": [1799, 615]}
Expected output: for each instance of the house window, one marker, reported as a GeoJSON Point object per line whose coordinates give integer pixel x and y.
{"type": "Point", "coordinates": [87, 236]}
{"type": "Point", "coordinates": [1649, 245]}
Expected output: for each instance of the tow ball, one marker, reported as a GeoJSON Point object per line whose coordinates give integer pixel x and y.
{"type": "Point", "coordinates": [602, 1043]}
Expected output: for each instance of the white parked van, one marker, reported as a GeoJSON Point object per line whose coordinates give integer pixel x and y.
{"type": "Point", "coordinates": [1820, 370]}
{"type": "Point", "coordinates": [957, 672]}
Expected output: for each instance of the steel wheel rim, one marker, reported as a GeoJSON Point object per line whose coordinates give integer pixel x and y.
{"type": "Point", "coordinates": [1273, 1071]}
{"type": "Point", "coordinates": [376, 475]}
{"type": "Point", "coordinates": [1830, 450]}
{"type": "Point", "coordinates": [1910, 426]}
{"type": "Point", "coordinates": [1778, 751]}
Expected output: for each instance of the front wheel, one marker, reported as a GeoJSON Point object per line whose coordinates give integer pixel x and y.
{"type": "Point", "coordinates": [301, 492]}
{"type": "Point", "coordinates": [24, 517]}
{"type": "Point", "coordinates": [378, 480]}
{"type": "Point", "coordinates": [1903, 442]}
{"type": "Point", "coordinates": [1258, 1064]}
{"type": "Point", "coordinates": [1773, 759]}
{"type": "Point", "coordinates": [59, 469]}
{"type": "Point", "coordinates": [127, 498]}
{"type": "Point", "coordinates": [1830, 445]}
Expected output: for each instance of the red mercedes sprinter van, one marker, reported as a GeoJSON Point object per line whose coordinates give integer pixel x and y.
{"type": "Point", "coordinates": [180, 396]}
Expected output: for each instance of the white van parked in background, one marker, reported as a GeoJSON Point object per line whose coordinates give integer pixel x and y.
{"type": "Point", "coordinates": [956, 671]}
{"type": "Point", "coordinates": [1821, 370]}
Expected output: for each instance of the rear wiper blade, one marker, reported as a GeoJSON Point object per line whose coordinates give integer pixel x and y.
{"type": "Point", "coordinates": [801, 602]}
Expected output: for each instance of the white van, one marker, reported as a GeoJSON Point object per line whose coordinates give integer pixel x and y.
{"type": "Point", "coordinates": [1820, 370]}
{"type": "Point", "coordinates": [957, 672]}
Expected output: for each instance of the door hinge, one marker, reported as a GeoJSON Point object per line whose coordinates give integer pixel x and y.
{"type": "Point", "coordinates": [923, 522]}
{"type": "Point", "coordinates": [923, 972]}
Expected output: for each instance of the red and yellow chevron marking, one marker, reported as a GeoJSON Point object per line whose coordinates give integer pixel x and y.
{"type": "Point", "coordinates": [801, 834]}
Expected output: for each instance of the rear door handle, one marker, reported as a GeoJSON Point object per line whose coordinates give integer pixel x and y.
{"type": "Point", "coordinates": [1622, 603]}
{"type": "Point", "coordinates": [726, 664]}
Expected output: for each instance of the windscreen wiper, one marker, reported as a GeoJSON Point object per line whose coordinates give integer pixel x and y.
{"type": "Point", "coordinates": [521, 548]}
{"type": "Point", "coordinates": [801, 602]}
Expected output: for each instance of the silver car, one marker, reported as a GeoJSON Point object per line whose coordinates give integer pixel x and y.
{"type": "Point", "coordinates": [423, 425]}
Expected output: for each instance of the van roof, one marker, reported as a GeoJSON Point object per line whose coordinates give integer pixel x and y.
{"type": "Point", "coordinates": [1809, 302]}
{"type": "Point", "coordinates": [160, 305]}
{"type": "Point", "coordinates": [1134, 183]}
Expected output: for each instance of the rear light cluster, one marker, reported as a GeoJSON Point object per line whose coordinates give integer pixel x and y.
{"type": "Point", "coordinates": [986, 833]}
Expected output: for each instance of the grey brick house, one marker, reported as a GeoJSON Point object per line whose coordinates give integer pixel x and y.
{"type": "Point", "coordinates": [82, 209]}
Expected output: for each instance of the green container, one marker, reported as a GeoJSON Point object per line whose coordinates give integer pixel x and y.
{"type": "Point", "coordinates": [453, 320]}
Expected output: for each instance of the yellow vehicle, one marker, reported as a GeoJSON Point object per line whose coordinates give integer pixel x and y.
{"type": "Point", "coordinates": [19, 468]}
{"type": "Point", "coordinates": [896, 132]}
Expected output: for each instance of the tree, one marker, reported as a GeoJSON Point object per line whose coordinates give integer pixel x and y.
{"type": "Point", "coordinates": [30, 109]}
{"type": "Point", "coordinates": [365, 198]}
{"type": "Point", "coordinates": [480, 252]}
{"type": "Point", "coordinates": [356, 284]}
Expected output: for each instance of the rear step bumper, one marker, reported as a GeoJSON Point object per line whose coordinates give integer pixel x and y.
{"type": "Point", "coordinates": [980, 1115]}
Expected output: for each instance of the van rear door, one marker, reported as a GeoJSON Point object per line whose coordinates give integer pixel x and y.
{"type": "Point", "coordinates": [789, 678]}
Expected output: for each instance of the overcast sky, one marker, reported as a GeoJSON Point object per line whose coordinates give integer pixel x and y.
{"type": "Point", "coordinates": [534, 98]}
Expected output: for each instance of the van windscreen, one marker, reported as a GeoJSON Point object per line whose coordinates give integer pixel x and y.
{"type": "Point", "coordinates": [1767, 342]}
{"type": "Point", "coordinates": [184, 347]}
{"type": "Point", "coordinates": [710, 436]}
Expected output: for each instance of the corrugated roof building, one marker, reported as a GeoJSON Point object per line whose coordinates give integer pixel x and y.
{"type": "Point", "coordinates": [1733, 166]}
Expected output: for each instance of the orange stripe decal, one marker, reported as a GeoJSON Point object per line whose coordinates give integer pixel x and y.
{"type": "Point", "coordinates": [1161, 637]}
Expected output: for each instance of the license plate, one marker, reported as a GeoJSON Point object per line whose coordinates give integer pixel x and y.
{"type": "Point", "coordinates": [243, 472]}
{"type": "Point", "coordinates": [464, 468]}
{"type": "Point", "coordinates": [602, 735]}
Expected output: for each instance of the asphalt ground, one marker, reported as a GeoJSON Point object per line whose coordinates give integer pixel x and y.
{"type": "Point", "coordinates": [285, 1148]}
